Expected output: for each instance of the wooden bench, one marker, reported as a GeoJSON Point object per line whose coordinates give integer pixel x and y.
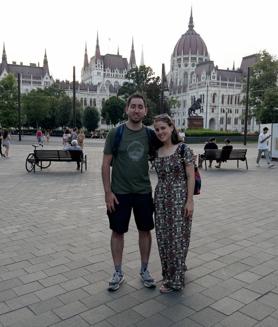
{"type": "Point", "coordinates": [47, 156]}
{"type": "Point", "coordinates": [215, 154]}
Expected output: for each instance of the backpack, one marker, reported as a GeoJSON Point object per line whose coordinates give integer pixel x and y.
{"type": "Point", "coordinates": [153, 141]}
{"type": "Point", "coordinates": [198, 181]}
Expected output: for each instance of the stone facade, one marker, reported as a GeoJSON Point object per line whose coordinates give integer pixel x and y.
{"type": "Point", "coordinates": [193, 75]}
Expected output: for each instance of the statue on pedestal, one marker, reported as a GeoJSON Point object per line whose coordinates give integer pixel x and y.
{"type": "Point", "coordinates": [195, 106]}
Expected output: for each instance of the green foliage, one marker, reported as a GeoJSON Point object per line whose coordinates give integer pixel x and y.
{"type": "Point", "coordinates": [91, 118]}
{"type": "Point", "coordinates": [113, 110]}
{"type": "Point", "coordinates": [8, 102]}
{"type": "Point", "coordinates": [264, 89]}
{"type": "Point", "coordinates": [208, 132]}
{"type": "Point", "coordinates": [49, 108]}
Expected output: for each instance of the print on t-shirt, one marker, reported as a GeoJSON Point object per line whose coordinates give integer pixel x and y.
{"type": "Point", "coordinates": [135, 151]}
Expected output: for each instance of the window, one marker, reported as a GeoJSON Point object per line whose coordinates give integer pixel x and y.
{"type": "Point", "coordinates": [222, 98]}
{"type": "Point", "coordinates": [228, 120]}
{"type": "Point", "coordinates": [213, 97]}
{"type": "Point", "coordinates": [91, 102]}
{"type": "Point", "coordinates": [221, 121]}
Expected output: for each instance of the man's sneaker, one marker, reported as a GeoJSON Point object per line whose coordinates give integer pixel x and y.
{"type": "Point", "coordinates": [147, 279]}
{"type": "Point", "coordinates": [270, 165]}
{"type": "Point", "coordinates": [116, 281]}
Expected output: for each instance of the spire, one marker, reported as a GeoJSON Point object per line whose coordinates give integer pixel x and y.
{"type": "Point", "coordinates": [233, 65]}
{"type": "Point", "coordinates": [142, 63]}
{"type": "Point", "coordinates": [118, 51]}
{"type": "Point", "coordinates": [86, 61]}
{"type": "Point", "coordinates": [4, 55]}
{"type": "Point", "coordinates": [45, 63]}
{"type": "Point", "coordinates": [132, 60]}
{"type": "Point", "coordinates": [97, 54]}
{"type": "Point", "coordinates": [191, 24]}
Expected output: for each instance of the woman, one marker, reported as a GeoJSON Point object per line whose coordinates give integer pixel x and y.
{"type": "Point", "coordinates": [81, 138]}
{"type": "Point", "coordinates": [6, 142]}
{"type": "Point", "coordinates": [173, 203]}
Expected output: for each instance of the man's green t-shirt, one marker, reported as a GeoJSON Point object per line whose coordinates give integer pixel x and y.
{"type": "Point", "coordinates": [130, 170]}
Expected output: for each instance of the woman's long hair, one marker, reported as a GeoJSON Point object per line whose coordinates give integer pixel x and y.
{"type": "Point", "coordinates": [168, 120]}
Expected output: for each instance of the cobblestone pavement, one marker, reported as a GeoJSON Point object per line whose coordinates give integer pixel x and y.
{"type": "Point", "coordinates": [55, 259]}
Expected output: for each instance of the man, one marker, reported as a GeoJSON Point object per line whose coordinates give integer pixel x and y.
{"type": "Point", "coordinates": [74, 147]}
{"type": "Point", "coordinates": [211, 144]}
{"type": "Point", "coordinates": [225, 153]}
{"type": "Point", "coordinates": [130, 189]}
{"type": "Point", "coordinates": [263, 147]}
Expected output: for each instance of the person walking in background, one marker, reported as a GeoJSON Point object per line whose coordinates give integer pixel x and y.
{"type": "Point", "coordinates": [173, 199]}
{"type": "Point", "coordinates": [1, 139]}
{"type": "Point", "coordinates": [39, 136]}
{"type": "Point", "coordinates": [6, 142]}
{"type": "Point", "coordinates": [81, 138]}
{"type": "Point", "coordinates": [225, 152]}
{"type": "Point", "coordinates": [47, 135]}
{"type": "Point", "coordinates": [66, 137]}
{"type": "Point", "coordinates": [263, 147]}
{"type": "Point", "coordinates": [130, 189]}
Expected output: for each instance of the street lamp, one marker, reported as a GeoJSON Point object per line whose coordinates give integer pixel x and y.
{"type": "Point", "coordinates": [163, 87]}
{"type": "Point", "coordinates": [19, 106]}
{"type": "Point", "coordinates": [246, 106]}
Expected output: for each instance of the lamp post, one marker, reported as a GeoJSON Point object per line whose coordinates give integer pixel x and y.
{"type": "Point", "coordinates": [163, 87]}
{"type": "Point", "coordinates": [246, 106]}
{"type": "Point", "coordinates": [19, 106]}
{"type": "Point", "coordinates": [74, 99]}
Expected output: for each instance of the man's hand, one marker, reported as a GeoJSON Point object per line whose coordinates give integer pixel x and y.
{"type": "Point", "coordinates": [110, 201]}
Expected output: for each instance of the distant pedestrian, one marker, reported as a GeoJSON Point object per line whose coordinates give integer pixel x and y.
{"type": "Point", "coordinates": [81, 138]}
{"type": "Point", "coordinates": [66, 137]}
{"type": "Point", "coordinates": [39, 136]}
{"type": "Point", "coordinates": [47, 136]}
{"type": "Point", "coordinates": [263, 147]}
{"type": "Point", "coordinates": [6, 142]}
{"type": "Point", "coordinates": [1, 139]}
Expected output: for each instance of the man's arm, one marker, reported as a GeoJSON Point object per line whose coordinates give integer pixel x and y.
{"type": "Point", "coordinates": [262, 141]}
{"type": "Point", "coordinates": [110, 198]}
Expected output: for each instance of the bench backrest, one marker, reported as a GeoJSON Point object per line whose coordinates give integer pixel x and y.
{"type": "Point", "coordinates": [215, 154]}
{"type": "Point", "coordinates": [57, 155]}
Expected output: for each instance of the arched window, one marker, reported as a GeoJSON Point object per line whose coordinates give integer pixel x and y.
{"type": "Point", "coordinates": [214, 98]}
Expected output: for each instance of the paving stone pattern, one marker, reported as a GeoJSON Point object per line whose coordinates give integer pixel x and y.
{"type": "Point", "coordinates": [55, 257]}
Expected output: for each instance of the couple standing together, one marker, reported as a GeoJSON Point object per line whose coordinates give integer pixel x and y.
{"type": "Point", "coordinates": [130, 189]}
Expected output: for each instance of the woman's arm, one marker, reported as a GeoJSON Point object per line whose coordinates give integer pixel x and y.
{"type": "Point", "coordinates": [189, 205]}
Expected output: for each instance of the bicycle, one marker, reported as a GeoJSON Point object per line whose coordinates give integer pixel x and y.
{"type": "Point", "coordinates": [31, 160]}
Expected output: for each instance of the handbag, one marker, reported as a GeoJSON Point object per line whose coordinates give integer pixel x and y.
{"type": "Point", "coordinates": [197, 175]}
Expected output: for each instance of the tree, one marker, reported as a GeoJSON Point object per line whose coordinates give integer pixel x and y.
{"type": "Point", "coordinates": [263, 89]}
{"type": "Point", "coordinates": [49, 108]}
{"type": "Point", "coordinates": [91, 118]}
{"type": "Point", "coordinates": [8, 101]}
{"type": "Point", "coordinates": [113, 110]}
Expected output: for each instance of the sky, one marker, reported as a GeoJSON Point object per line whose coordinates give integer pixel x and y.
{"type": "Point", "coordinates": [230, 29]}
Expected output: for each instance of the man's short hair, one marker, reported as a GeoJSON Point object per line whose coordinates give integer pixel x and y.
{"type": "Point", "coordinates": [74, 142]}
{"type": "Point", "coordinates": [135, 96]}
{"type": "Point", "coordinates": [265, 129]}
{"type": "Point", "coordinates": [212, 139]}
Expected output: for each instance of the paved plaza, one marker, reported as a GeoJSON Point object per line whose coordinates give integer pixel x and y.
{"type": "Point", "coordinates": [55, 257]}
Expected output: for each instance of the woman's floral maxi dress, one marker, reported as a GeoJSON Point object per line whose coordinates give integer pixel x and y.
{"type": "Point", "coordinates": [172, 229]}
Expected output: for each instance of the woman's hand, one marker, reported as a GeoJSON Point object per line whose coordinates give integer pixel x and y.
{"type": "Point", "coordinates": [188, 209]}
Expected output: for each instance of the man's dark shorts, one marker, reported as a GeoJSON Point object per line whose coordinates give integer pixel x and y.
{"type": "Point", "coordinates": [143, 207]}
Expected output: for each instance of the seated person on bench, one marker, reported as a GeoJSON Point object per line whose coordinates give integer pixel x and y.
{"type": "Point", "coordinates": [211, 144]}
{"type": "Point", "coordinates": [225, 153]}
{"type": "Point", "coordinates": [74, 147]}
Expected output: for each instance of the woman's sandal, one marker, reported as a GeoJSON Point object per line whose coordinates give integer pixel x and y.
{"type": "Point", "coordinates": [165, 289]}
